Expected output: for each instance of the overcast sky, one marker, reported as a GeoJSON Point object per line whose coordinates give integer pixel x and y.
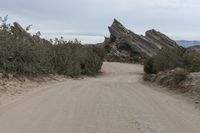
{"type": "Point", "coordinates": [88, 19]}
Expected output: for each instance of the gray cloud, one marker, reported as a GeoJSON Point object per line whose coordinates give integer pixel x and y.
{"type": "Point", "coordinates": [177, 18]}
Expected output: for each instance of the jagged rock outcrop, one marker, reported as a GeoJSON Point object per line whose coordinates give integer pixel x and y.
{"type": "Point", "coordinates": [125, 45]}
{"type": "Point", "coordinates": [20, 33]}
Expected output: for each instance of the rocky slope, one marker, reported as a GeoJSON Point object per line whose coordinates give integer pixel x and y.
{"type": "Point", "coordinates": [126, 46]}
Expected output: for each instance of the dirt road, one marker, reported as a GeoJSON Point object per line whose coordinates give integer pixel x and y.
{"type": "Point", "coordinates": [116, 102]}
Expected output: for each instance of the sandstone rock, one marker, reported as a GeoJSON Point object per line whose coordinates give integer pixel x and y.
{"type": "Point", "coordinates": [20, 33]}
{"type": "Point", "coordinates": [138, 46]}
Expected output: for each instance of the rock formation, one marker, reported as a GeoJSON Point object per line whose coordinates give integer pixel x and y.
{"type": "Point", "coordinates": [20, 33]}
{"type": "Point", "coordinates": [126, 46]}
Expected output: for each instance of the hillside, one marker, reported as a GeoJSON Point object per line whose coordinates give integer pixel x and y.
{"type": "Point", "coordinates": [194, 49]}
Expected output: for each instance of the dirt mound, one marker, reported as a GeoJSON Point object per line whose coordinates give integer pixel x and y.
{"type": "Point", "coordinates": [176, 79]}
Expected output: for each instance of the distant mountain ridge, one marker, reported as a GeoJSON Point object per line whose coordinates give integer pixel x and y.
{"type": "Point", "coordinates": [186, 43]}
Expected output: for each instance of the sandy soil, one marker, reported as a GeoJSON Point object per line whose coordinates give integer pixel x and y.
{"type": "Point", "coordinates": [116, 102]}
{"type": "Point", "coordinates": [12, 89]}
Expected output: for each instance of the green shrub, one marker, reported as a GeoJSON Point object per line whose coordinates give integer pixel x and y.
{"type": "Point", "coordinates": [22, 53]}
{"type": "Point", "coordinates": [149, 66]}
{"type": "Point", "coordinates": [165, 60]}
{"type": "Point", "coordinates": [92, 63]}
{"type": "Point", "coordinates": [169, 59]}
{"type": "Point", "coordinates": [192, 62]}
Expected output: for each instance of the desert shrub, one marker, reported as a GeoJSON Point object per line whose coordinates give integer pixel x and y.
{"type": "Point", "coordinates": [169, 59]}
{"type": "Point", "coordinates": [74, 59]}
{"type": "Point", "coordinates": [195, 65]}
{"type": "Point", "coordinates": [192, 62]}
{"type": "Point", "coordinates": [99, 51]}
{"type": "Point", "coordinates": [22, 53]}
{"type": "Point", "coordinates": [92, 63]}
{"type": "Point", "coordinates": [149, 66]}
{"type": "Point", "coordinates": [165, 60]}
{"type": "Point", "coordinates": [179, 74]}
